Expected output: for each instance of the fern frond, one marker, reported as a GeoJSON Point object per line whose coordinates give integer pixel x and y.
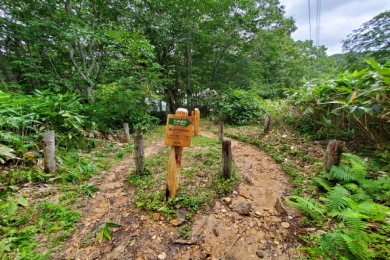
{"type": "Point", "coordinates": [336, 199]}
{"type": "Point", "coordinates": [374, 210]}
{"type": "Point", "coordinates": [327, 185]}
{"type": "Point", "coordinates": [346, 245]}
{"type": "Point", "coordinates": [353, 219]}
{"type": "Point", "coordinates": [342, 173]}
{"type": "Point", "coordinates": [308, 207]}
{"type": "Point", "coordinates": [359, 194]}
{"type": "Point", "coordinates": [359, 165]}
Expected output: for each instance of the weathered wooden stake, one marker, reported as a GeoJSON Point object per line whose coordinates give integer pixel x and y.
{"type": "Point", "coordinates": [50, 165]}
{"type": "Point", "coordinates": [267, 123]}
{"type": "Point", "coordinates": [220, 131]}
{"type": "Point", "coordinates": [174, 164]}
{"type": "Point", "coordinates": [139, 155]}
{"type": "Point", "coordinates": [196, 115]}
{"type": "Point", "coordinates": [226, 159]}
{"type": "Point", "coordinates": [333, 154]}
{"type": "Point", "coordinates": [127, 131]}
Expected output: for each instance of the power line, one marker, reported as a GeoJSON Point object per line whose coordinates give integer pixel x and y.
{"type": "Point", "coordinates": [318, 22]}
{"type": "Point", "coordinates": [308, 3]}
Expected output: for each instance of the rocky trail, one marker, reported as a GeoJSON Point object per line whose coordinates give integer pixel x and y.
{"type": "Point", "coordinates": [252, 223]}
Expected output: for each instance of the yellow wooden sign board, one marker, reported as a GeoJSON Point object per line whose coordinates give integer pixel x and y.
{"type": "Point", "coordinates": [179, 130]}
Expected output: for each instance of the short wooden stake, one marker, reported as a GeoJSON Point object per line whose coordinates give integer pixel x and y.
{"type": "Point", "coordinates": [267, 123]}
{"type": "Point", "coordinates": [127, 131]}
{"type": "Point", "coordinates": [220, 131]}
{"type": "Point", "coordinates": [174, 164]}
{"type": "Point", "coordinates": [196, 115]}
{"type": "Point", "coordinates": [226, 159]}
{"type": "Point", "coordinates": [50, 165]}
{"type": "Point", "coordinates": [333, 154]}
{"type": "Point", "coordinates": [139, 155]}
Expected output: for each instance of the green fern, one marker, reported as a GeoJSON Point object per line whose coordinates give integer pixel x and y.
{"type": "Point", "coordinates": [336, 199]}
{"type": "Point", "coordinates": [327, 185]}
{"type": "Point", "coordinates": [356, 171]}
{"type": "Point", "coordinates": [352, 218]}
{"type": "Point", "coordinates": [308, 207]}
{"type": "Point", "coordinates": [345, 244]}
{"type": "Point", "coordinates": [359, 194]}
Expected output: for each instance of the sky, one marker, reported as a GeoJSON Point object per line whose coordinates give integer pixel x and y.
{"type": "Point", "coordinates": [338, 18]}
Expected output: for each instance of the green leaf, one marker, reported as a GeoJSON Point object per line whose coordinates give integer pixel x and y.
{"type": "Point", "coordinates": [12, 207]}
{"type": "Point", "coordinates": [22, 201]}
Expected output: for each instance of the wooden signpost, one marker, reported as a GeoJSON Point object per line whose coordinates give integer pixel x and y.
{"type": "Point", "coordinates": [178, 134]}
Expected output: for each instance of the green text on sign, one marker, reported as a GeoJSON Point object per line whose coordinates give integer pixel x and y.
{"type": "Point", "coordinates": [179, 122]}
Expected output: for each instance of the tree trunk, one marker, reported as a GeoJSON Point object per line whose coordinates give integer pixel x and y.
{"type": "Point", "coordinates": [333, 154]}
{"type": "Point", "coordinates": [49, 152]}
{"type": "Point", "coordinates": [226, 159]}
{"type": "Point", "coordinates": [139, 155]}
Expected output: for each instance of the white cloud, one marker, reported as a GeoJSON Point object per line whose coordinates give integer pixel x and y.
{"type": "Point", "coordinates": [338, 18]}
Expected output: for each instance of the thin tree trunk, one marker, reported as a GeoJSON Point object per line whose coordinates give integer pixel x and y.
{"type": "Point", "coordinates": [50, 165]}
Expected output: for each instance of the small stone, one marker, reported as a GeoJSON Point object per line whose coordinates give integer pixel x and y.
{"type": "Point", "coordinates": [252, 240]}
{"type": "Point", "coordinates": [272, 235]}
{"type": "Point", "coordinates": [181, 215]}
{"type": "Point", "coordinates": [278, 251]}
{"type": "Point", "coordinates": [276, 242]}
{"type": "Point", "coordinates": [227, 200]}
{"type": "Point", "coordinates": [280, 207]}
{"type": "Point", "coordinates": [248, 166]}
{"type": "Point", "coordinates": [267, 219]}
{"type": "Point", "coordinates": [175, 222]}
{"type": "Point", "coordinates": [162, 256]}
{"type": "Point", "coordinates": [244, 192]}
{"type": "Point", "coordinates": [258, 214]}
{"type": "Point", "coordinates": [156, 216]}
{"type": "Point", "coordinates": [260, 254]}
{"type": "Point", "coordinates": [285, 225]}
{"type": "Point", "coordinates": [154, 237]}
{"type": "Point", "coordinates": [216, 232]}
{"type": "Point", "coordinates": [235, 192]}
{"type": "Point", "coordinates": [143, 217]}
{"type": "Point", "coordinates": [243, 208]}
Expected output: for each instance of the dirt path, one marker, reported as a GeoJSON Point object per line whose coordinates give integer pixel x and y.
{"type": "Point", "coordinates": [264, 231]}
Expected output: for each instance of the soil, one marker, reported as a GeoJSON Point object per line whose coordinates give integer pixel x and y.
{"type": "Point", "coordinates": [232, 229]}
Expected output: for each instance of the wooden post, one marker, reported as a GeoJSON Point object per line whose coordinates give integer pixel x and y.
{"type": "Point", "coordinates": [196, 115]}
{"type": "Point", "coordinates": [139, 155]}
{"type": "Point", "coordinates": [50, 165]}
{"type": "Point", "coordinates": [226, 159]}
{"type": "Point", "coordinates": [174, 164]}
{"type": "Point", "coordinates": [127, 131]}
{"type": "Point", "coordinates": [267, 123]}
{"type": "Point", "coordinates": [333, 154]}
{"type": "Point", "coordinates": [220, 131]}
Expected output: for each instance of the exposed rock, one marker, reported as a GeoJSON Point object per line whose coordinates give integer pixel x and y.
{"type": "Point", "coordinates": [285, 225]}
{"type": "Point", "coordinates": [181, 215]}
{"type": "Point", "coordinates": [216, 232]}
{"type": "Point", "coordinates": [162, 256]}
{"type": "Point", "coordinates": [223, 211]}
{"type": "Point", "coordinates": [175, 222]}
{"type": "Point", "coordinates": [243, 208]}
{"type": "Point", "coordinates": [278, 251]}
{"type": "Point", "coordinates": [227, 200]}
{"type": "Point", "coordinates": [260, 254]}
{"type": "Point", "coordinates": [156, 216]}
{"type": "Point", "coordinates": [279, 206]}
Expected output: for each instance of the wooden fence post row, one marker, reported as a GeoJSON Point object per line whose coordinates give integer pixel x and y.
{"type": "Point", "coordinates": [196, 115]}
{"type": "Point", "coordinates": [139, 154]}
{"type": "Point", "coordinates": [227, 159]}
{"type": "Point", "coordinates": [333, 154]}
{"type": "Point", "coordinates": [50, 165]}
{"type": "Point", "coordinates": [267, 123]}
{"type": "Point", "coordinates": [127, 131]}
{"type": "Point", "coordinates": [220, 131]}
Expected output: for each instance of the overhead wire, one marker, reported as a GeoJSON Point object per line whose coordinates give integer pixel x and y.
{"type": "Point", "coordinates": [308, 3]}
